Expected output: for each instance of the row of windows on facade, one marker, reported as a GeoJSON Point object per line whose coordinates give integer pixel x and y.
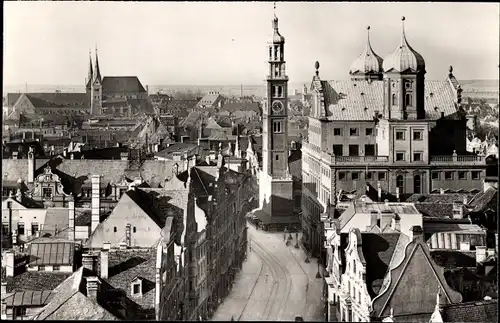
{"type": "Point", "coordinates": [35, 227]}
{"type": "Point", "coordinates": [400, 134]}
{"type": "Point", "coordinates": [277, 127]}
{"type": "Point", "coordinates": [435, 175]}
{"type": "Point", "coordinates": [277, 91]}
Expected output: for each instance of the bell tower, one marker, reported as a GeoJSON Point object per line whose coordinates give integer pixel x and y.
{"type": "Point", "coordinates": [275, 127]}
{"type": "Point", "coordinates": [276, 182]}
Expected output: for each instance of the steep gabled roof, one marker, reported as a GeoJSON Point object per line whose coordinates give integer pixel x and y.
{"type": "Point", "coordinates": [483, 201]}
{"type": "Point", "coordinates": [148, 204]}
{"type": "Point", "coordinates": [405, 293]}
{"type": "Point", "coordinates": [130, 84]}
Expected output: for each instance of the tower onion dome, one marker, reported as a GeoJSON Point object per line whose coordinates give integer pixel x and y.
{"type": "Point", "coordinates": [404, 58]}
{"type": "Point", "coordinates": [368, 61]}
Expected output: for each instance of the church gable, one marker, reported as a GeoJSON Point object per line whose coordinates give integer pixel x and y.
{"type": "Point", "coordinates": [24, 105]}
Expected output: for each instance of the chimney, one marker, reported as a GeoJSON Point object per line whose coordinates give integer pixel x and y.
{"type": "Point", "coordinates": [213, 156]}
{"type": "Point", "coordinates": [373, 218]}
{"type": "Point", "coordinates": [397, 193]}
{"type": "Point", "coordinates": [15, 154]}
{"type": "Point", "coordinates": [396, 222]}
{"type": "Point", "coordinates": [96, 202]}
{"type": "Point", "coordinates": [65, 152]}
{"type": "Point", "coordinates": [71, 220]}
{"type": "Point", "coordinates": [379, 191]}
{"type": "Point", "coordinates": [9, 263]}
{"type": "Point", "coordinates": [124, 156]}
{"type": "Point", "coordinates": [416, 233]}
{"type": "Point", "coordinates": [4, 289]}
{"type": "Point", "coordinates": [465, 200]}
{"type": "Point", "coordinates": [207, 159]}
{"type": "Point", "coordinates": [441, 191]}
{"type": "Point", "coordinates": [123, 245]}
{"type": "Point", "coordinates": [386, 219]}
{"type": "Point", "coordinates": [24, 135]}
{"type": "Point", "coordinates": [104, 262]}
{"type": "Point", "coordinates": [31, 165]}
{"type": "Point", "coordinates": [71, 156]}
{"type": "Point", "coordinates": [480, 253]}
{"type": "Point", "coordinates": [93, 286]}
{"type": "Point", "coordinates": [147, 89]}
{"type": "Point", "coordinates": [442, 114]}
{"type": "Point", "coordinates": [88, 262]}
{"type": "Point", "coordinates": [458, 210]}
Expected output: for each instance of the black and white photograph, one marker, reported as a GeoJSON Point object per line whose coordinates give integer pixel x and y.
{"type": "Point", "coordinates": [250, 161]}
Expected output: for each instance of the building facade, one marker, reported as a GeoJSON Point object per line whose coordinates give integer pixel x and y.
{"type": "Point", "coordinates": [387, 127]}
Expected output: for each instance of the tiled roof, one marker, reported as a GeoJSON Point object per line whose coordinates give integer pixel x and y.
{"type": "Point", "coordinates": [454, 258]}
{"type": "Point", "coordinates": [34, 280]}
{"type": "Point", "coordinates": [70, 302]}
{"type": "Point", "coordinates": [125, 265]}
{"type": "Point", "coordinates": [49, 100]}
{"type": "Point", "coordinates": [433, 227]}
{"type": "Point", "coordinates": [295, 164]}
{"type": "Point", "coordinates": [403, 295]}
{"type": "Point", "coordinates": [483, 311]}
{"type": "Point", "coordinates": [57, 253]}
{"type": "Point", "coordinates": [377, 251]}
{"type": "Point", "coordinates": [155, 172]}
{"type": "Point", "coordinates": [115, 84]}
{"type": "Point", "coordinates": [439, 198]}
{"type": "Point", "coordinates": [56, 219]}
{"type": "Point", "coordinates": [14, 169]}
{"type": "Point", "coordinates": [358, 99]}
{"type": "Point", "coordinates": [488, 199]}
{"type": "Point", "coordinates": [209, 99]}
{"type": "Point", "coordinates": [112, 170]}
{"type": "Point", "coordinates": [220, 135]}
{"type": "Point", "coordinates": [83, 218]}
{"type": "Point", "coordinates": [399, 208]}
{"type": "Point", "coordinates": [435, 210]}
{"type": "Point", "coordinates": [29, 298]}
{"type": "Point", "coordinates": [241, 106]}
{"type": "Point", "coordinates": [177, 147]}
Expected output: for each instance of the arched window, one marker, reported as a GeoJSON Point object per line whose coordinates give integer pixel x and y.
{"type": "Point", "coordinates": [270, 53]}
{"type": "Point", "coordinates": [280, 91]}
{"type": "Point", "coordinates": [400, 183]}
{"type": "Point", "coordinates": [274, 91]}
{"type": "Point", "coordinates": [408, 100]}
{"type": "Point", "coordinates": [394, 99]}
{"type": "Point", "coordinates": [417, 184]}
{"type": "Point", "coordinates": [114, 229]}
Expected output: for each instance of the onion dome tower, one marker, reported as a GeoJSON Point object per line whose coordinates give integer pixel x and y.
{"type": "Point", "coordinates": [404, 82]}
{"type": "Point", "coordinates": [368, 65]}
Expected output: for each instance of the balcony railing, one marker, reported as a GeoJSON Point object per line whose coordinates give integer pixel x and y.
{"type": "Point", "coordinates": [384, 160]}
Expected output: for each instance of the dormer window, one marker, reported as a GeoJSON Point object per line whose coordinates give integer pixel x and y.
{"type": "Point", "coordinates": [136, 287]}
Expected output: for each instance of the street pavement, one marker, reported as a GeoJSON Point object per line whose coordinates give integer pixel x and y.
{"type": "Point", "coordinates": [275, 284]}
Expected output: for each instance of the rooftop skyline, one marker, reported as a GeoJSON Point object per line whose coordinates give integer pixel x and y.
{"type": "Point", "coordinates": [225, 43]}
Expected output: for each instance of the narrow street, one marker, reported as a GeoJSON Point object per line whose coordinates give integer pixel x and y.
{"type": "Point", "coordinates": [275, 283]}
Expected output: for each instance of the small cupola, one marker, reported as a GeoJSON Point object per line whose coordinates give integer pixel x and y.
{"type": "Point", "coordinates": [404, 58]}
{"type": "Point", "coordinates": [368, 64]}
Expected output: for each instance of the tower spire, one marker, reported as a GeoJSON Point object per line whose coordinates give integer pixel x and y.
{"type": "Point", "coordinates": [403, 35]}
{"type": "Point", "coordinates": [275, 20]}
{"type": "Point", "coordinates": [97, 74]}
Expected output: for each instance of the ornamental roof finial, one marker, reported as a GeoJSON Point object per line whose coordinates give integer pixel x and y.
{"type": "Point", "coordinates": [316, 66]}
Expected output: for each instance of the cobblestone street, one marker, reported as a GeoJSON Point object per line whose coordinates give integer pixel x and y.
{"type": "Point", "coordinates": [274, 284]}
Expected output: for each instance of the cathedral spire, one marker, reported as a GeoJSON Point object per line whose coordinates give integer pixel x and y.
{"type": "Point", "coordinates": [97, 74]}
{"type": "Point", "coordinates": [89, 77]}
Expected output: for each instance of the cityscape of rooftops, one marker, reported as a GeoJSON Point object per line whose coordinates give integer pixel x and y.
{"type": "Point", "coordinates": [250, 161]}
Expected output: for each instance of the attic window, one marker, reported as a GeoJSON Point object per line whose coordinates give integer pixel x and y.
{"type": "Point", "coordinates": [431, 94]}
{"type": "Point", "coordinates": [136, 287]}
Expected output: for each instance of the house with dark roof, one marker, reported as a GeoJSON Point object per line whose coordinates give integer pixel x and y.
{"type": "Point", "coordinates": [211, 100]}
{"type": "Point", "coordinates": [399, 297]}
{"type": "Point", "coordinates": [135, 222]}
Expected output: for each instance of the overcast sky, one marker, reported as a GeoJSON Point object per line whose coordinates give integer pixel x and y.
{"type": "Point", "coordinates": [219, 43]}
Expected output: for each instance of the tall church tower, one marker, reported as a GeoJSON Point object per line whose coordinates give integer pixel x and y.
{"type": "Point", "coordinates": [96, 89]}
{"type": "Point", "coordinates": [276, 192]}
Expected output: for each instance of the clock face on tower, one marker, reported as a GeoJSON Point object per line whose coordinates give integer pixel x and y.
{"type": "Point", "coordinates": [277, 107]}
